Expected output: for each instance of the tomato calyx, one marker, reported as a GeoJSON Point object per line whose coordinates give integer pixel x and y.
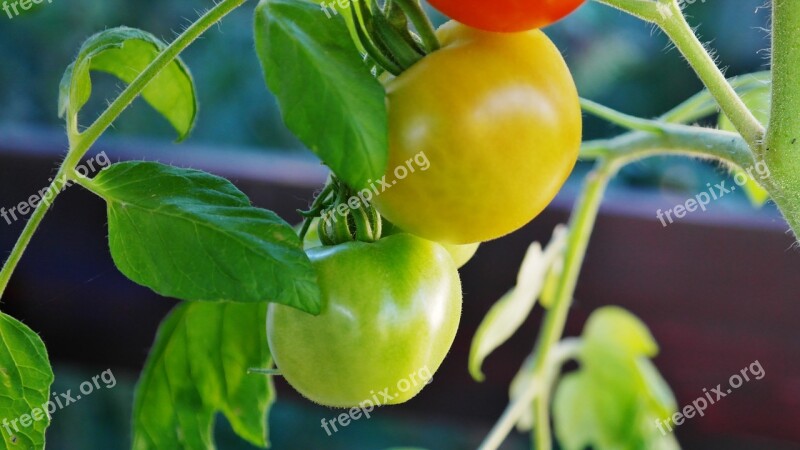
{"type": "Point", "coordinates": [385, 35]}
{"type": "Point", "coordinates": [343, 216]}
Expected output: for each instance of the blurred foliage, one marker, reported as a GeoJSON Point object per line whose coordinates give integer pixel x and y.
{"type": "Point", "coordinates": [616, 60]}
{"type": "Point", "coordinates": [106, 413]}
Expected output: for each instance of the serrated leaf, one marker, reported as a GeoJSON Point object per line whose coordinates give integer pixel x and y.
{"type": "Point", "coordinates": [327, 95]}
{"type": "Point", "coordinates": [25, 380]}
{"type": "Point", "coordinates": [509, 313]}
{"type": "Point", "coordinates": [199, 366]}
{"type": "Point", "coordinates": [193, 236]}
{"type": "Point", "coordinates": [124, 53]}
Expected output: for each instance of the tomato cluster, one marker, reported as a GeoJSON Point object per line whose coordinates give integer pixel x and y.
{"type": "Point", "coordinates": [498, 119]}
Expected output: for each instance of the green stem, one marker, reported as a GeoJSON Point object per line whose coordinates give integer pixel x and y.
{"type": "Point", "coordinates": [612, 154]}
{"type": "Point", "coordinates": [782, 149]}
{"type": "Point", "coordinates": [580, 230]}
{"type": "Point", "coordinates": [566, 350]}
{"type": "Point", "coordinates": [81, 143]}
{"type": "Point", "coordinates": [364, 29]}
{"type": "Point", "coordinates": [621, 119]}
{"type": "Point", "coordinates": [421, 22]}
{"type": "Point", "coordinates": [703, 104]}
{"type": "Point", "coordinates": [668, 16]}
{"type": "Point", "coordinates": [164, 59]}
{"type": "Point", "coordinates": [30, 228]}
{"type": "Point", "coordinates": [682, 140]}
{"type": "Point", "coordinates": [404, 53]}
{"type": "Point", "coordinates": [686, 41]}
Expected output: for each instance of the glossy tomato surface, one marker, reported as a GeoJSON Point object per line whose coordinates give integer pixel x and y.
{"type": "Point", "coordinates": [390, 311]}
{"type": "Point", "coordinates": [506, 15]}
{"type": "Point", "coordinates": [498, 118]}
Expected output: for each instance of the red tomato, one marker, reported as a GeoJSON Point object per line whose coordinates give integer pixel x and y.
{"type": "Point", "coordinates": [506, 15]}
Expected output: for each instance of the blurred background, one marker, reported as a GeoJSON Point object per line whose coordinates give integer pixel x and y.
{"type": "Point", "coordinates": [718, 289]}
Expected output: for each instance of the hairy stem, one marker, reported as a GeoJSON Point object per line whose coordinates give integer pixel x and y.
{"type": "Point", "coordinates": [58, 183]}
{"type": "Point", "coordinates": [621, 119]}
{"type": "Point", "coordinates": [677, 140]}
{"type": "Point", "coordinates": [81, 143]}
{"type": "Point", "coordinates": [674, 24]}
{"type": "Point", "coordinates": [782, 149]}
{"type": "Point", "coordinates": [164, 59]}
{"type": "Point", "coordinates": [668, 16]}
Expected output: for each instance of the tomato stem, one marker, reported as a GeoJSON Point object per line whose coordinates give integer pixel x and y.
{"type": "Point", "coordinates": [668, 16]}
{"type": "Point", "coordinates": [374, 48]}
{"type": "Point", "coordinates": [399, 20]}
{"type": "Point", "coordinates": [703, 104]}
{"type": "Point", "coordinates": [421, 22]}
{"type": "Point", "coordinates": [405, 54]}
{"type": "Point", "coordinates": [675, 140]}
{"type": "Point", "coordinates": [624, 120]}
{"type": "Point", "coordinates": [781, 151]}
{"type": "Point", "coordinates": [80, 143]}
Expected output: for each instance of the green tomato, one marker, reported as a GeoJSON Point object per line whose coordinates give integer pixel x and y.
{"type": "Point", "coordinates": [389, 314]}
{"type": "Point", "coordinates": [461, 254]}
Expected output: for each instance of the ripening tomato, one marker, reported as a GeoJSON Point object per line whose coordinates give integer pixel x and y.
{"type": "Point", "coordinates": [390, 311]}
{"type": "Point", "coordinates": [498, 118]}
{"type": "Point", "coordinates": [506, 15]}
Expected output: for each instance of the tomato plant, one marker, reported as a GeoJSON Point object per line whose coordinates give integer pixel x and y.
{"type": "Point", "coordinates": [461, 254]}
{"type": "Point", "coordinates": [507, 15]}
{"type": "Point", "coordinates": [456, 136]}
{"type": "Point", "coordinates": [497, 116]}
{"type": "Point", "coordinates": [388, 310]}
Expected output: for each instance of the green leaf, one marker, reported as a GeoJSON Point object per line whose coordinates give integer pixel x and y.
{"type": "Point", "coordinates": [192, 235]}
{"type": "Point", "coordinates": [613, 400]}
{"type": "Point", "coordinates": [519, 384]}
{"type": "Point", "coordinates": [124, 53]}
{"type": "Point", "coordinates": [612, 327]}
{"type": "Point", "coordinates": [25, 379]}
{"type": "Point", "coordinates": [327, 95]}
{"type": "Point", "coordinates": [575, 424]}
{"type": "Point", "coordinates": [509, 313]}
{"type": "Point", "coordinates": [198, 367]}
